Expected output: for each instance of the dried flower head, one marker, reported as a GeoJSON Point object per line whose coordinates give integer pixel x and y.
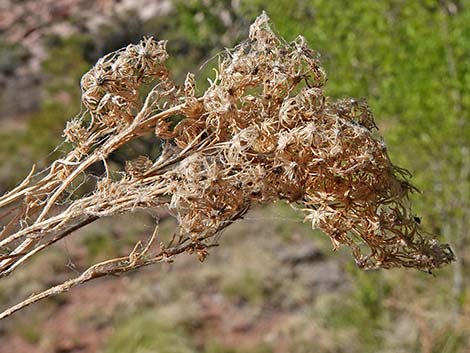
{"type": "Point", "coordinates": [263, 131]}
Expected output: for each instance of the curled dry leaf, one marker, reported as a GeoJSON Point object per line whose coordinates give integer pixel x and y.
{"type": "Point", "coordinates": [263, 131]}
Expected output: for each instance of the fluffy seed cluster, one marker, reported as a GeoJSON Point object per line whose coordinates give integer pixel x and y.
{"type": "Point", "coordinates": [275, 136]}
{"type": "Point", "coordinates": [263, 131]}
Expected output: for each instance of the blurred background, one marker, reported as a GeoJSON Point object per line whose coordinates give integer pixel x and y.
{"type": "Point", "coordinates": [273, 285]}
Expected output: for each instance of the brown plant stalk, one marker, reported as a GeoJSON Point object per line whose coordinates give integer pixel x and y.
{"type": "Point", "coordinates": [263, 131]}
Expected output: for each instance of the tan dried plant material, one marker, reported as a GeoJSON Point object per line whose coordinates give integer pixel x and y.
{"type": "Point", "coordinates": [263, 131]}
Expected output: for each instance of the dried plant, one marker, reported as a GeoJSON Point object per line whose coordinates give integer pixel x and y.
{"type": "Point", "coordinates": [263, 131]}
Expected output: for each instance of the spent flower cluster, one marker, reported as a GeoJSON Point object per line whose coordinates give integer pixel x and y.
{"type": "Point", "coordinates": [263, 131]}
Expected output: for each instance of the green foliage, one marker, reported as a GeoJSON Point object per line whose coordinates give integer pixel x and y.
{"type": "Point", "coordinates": [216, 347]}
{"type": "Point", "coordinates": [29, 331]}
{"type": "Point", "coordinates": [370, 289]}
{"type": "Point", "coordinates": [145, 333]}
{"type": "Point", "coordinates": [209, 24]}
{"type": "Point", "coordinates": [99, 246]}
{"type": "Point", "coordinates": [64, 67]}
{"type": "Point", "coordinates": [247, 286]}
{"type": "Point", "coordinates": [67, 61]}
{"type": "Point", "coordinates": [363, 310]}
{"type": "Point", "coordinates": [449, 341]}
{"type": "Point", "coordinates": [284, 225]}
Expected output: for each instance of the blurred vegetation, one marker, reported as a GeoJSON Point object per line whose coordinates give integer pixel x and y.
{"type": "Point", "coordinates": [247, 286]}
{"type": "Point", "coordinates": [410, 59]}
{"type": "Point", "coordinates": [12, 56]}
{"type": "Point", "coordinates": [219, 348]}
{"type": "Point", "coordinates": [363, 311]}
{"type": "Point", "coordinates": [36, 142]}
{"type": "Point", "coordinates": [144, 333]}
